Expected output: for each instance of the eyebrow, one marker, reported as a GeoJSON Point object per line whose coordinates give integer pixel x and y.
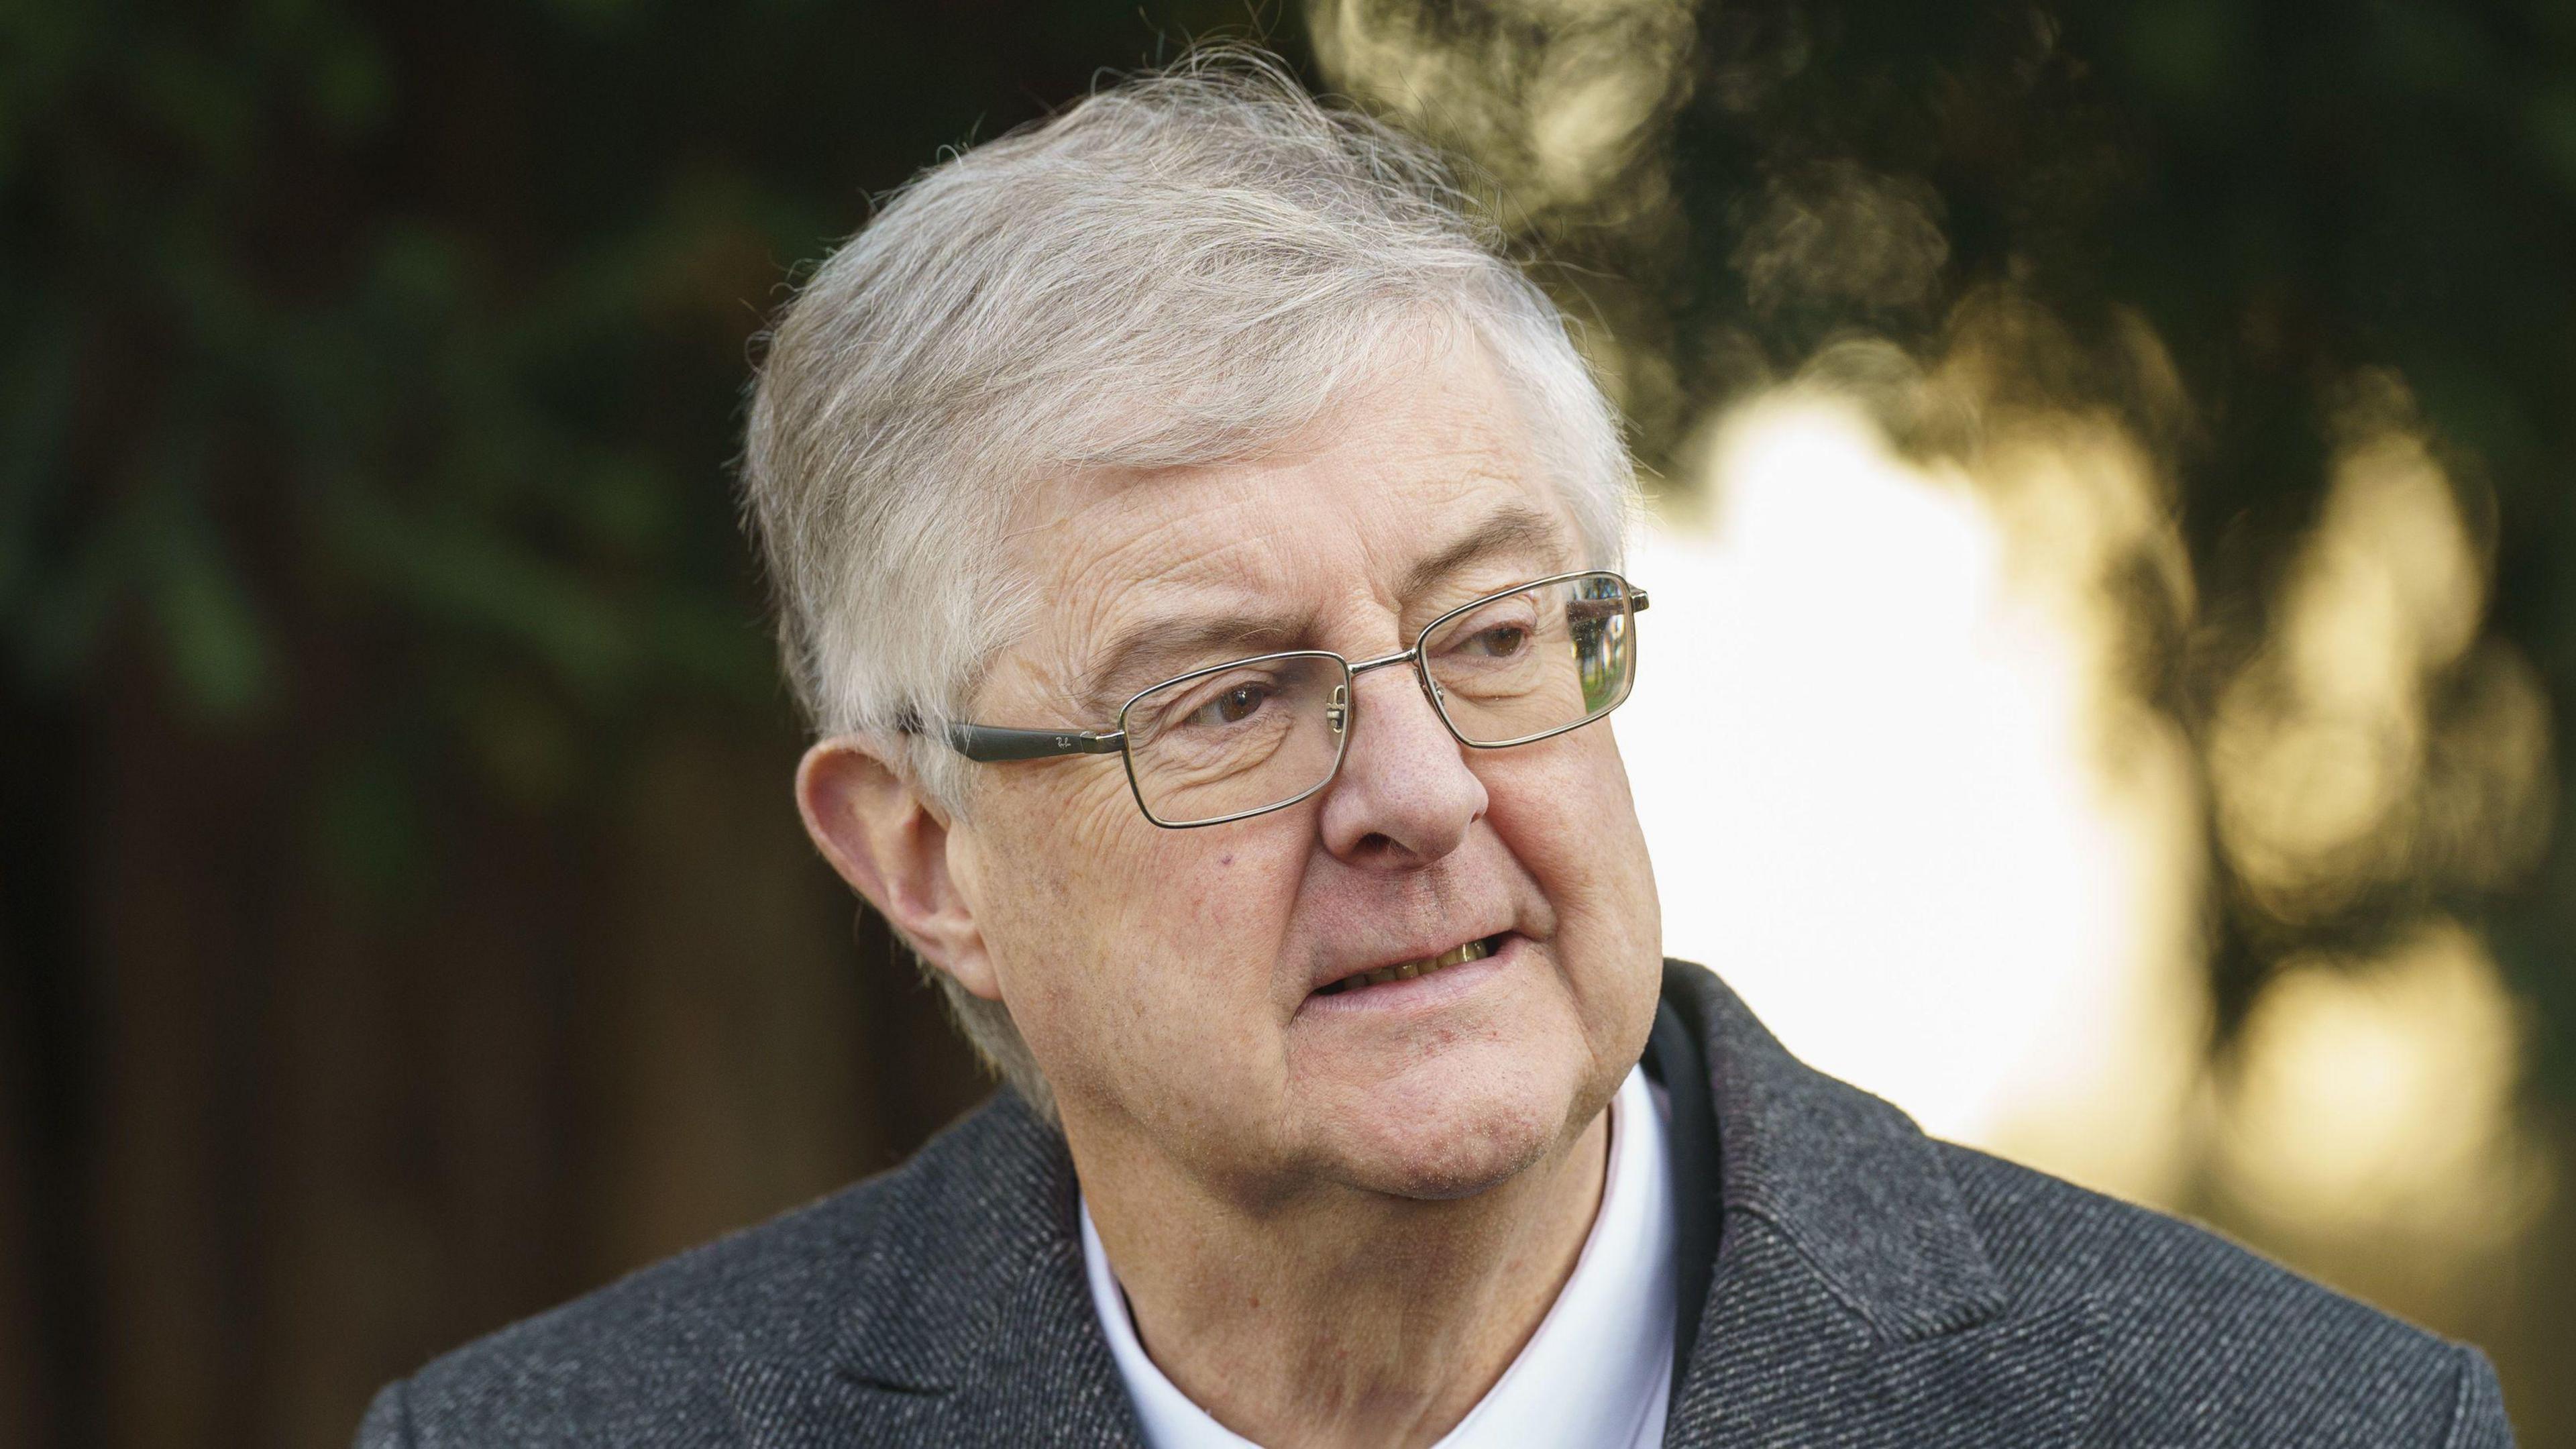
{"type": "Point", "coordinates": [1512, 529]}
{"type": "Point", "coordinates": [1144, 656]}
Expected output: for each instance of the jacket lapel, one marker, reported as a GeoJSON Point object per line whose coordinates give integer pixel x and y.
{"type": "Point", "coordinates": [1852, 1300]}
{"type": "Point", "coordinates": [966, 1322]}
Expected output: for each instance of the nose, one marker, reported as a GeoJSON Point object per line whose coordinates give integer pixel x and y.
{"type": "Point", "coordinates": [1405, 796]}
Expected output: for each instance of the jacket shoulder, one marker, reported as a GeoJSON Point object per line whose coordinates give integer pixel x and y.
{"type": "Point", "coordinates": [643, 1361]}
{"type": "Point", "coordinates": [2206, 1342]}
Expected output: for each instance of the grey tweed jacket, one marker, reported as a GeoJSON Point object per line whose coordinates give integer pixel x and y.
{"type": "Point", "coordinates": [1870, 1287]}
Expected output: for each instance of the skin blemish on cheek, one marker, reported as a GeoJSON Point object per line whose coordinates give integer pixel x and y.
{"type": "Point", "coordinates": [1226, 859]}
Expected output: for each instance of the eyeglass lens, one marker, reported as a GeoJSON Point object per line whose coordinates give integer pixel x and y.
{"type": "Point", "coordinates": [1240, 738]}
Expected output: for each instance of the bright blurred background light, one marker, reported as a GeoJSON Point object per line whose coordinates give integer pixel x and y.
{"type": "Point", "coordinates": [1868, 767]}
{"type": "Point", "coordinates": [1901, 795]}
{"type": "Point", "coordinates": [2371, 1103]}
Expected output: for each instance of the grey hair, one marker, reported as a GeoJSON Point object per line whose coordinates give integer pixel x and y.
{"type": "Point", "coordinates": [1184, 268]}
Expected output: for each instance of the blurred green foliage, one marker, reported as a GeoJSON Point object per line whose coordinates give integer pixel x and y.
{"type": "Point", "coordinates": [370, 373]}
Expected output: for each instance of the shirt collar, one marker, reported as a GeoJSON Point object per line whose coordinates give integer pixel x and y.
{"type": "Point", "coordinates": [1599, 1368]}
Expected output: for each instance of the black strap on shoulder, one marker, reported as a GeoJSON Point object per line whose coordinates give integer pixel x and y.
{"type": "Point", "coordinates": [1675, 1058]}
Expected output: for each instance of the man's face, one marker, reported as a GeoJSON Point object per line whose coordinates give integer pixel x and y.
{"type": "Point", "coordinates": [1166, 980]}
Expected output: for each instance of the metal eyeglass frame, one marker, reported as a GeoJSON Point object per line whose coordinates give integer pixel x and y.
{"type": "Point", "coordinates": [990, 744]}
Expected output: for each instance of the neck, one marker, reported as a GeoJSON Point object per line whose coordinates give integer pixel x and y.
{"type": "Point", "coordinates": [1329, 1315]}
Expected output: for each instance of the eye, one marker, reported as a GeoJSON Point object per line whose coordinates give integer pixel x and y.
{"type": "Point", "coordinates": [1233, 706]}
{"type": "Point", "coordinates": [1501, 641]}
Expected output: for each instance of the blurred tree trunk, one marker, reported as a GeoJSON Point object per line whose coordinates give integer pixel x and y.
{"type": "Point", "coordinates": [48, 1313]}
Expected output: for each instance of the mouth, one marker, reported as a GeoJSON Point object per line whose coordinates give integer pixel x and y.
{"type": "Point", "coordinates": [1458, 955]}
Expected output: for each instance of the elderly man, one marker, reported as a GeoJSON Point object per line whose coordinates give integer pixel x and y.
{"type": "Point", "coordinates": [1199, 554]}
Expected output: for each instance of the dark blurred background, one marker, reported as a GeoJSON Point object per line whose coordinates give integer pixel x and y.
{"type": "Point", "coordinates": [404, 924]}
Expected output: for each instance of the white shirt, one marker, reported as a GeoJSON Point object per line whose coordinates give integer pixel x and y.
{"type": "Point", "coordinates": [1596, 1374]}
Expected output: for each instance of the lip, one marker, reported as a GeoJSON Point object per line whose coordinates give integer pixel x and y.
{"type": "Point", "coordinates": [1422, 993]}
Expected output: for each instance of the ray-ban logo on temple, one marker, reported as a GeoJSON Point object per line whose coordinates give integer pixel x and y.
{"type": "Point", "coordinates": [1259, 734]}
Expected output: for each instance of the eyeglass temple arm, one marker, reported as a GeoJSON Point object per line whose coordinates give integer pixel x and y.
{"type": "Point", "coordinates": [987, 743]}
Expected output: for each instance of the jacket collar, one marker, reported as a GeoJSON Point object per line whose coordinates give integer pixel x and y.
{"type": "Point", "coordinates": [1851, 1299]}
{"type": "Point", "coordinates": [1852, 1184]}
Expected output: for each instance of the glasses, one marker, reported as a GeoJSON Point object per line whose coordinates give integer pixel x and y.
{"type": "Point", "coordinates": [1260, 734]}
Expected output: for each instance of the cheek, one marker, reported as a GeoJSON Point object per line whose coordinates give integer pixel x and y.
{"type": "Point", "coordinates": [1135, 951]}
{"type": "Point", "coordinates": [1564, 810]}
{"type": "Point", "coordinates": [1203, 917]}
{"type": "Point", "coordinates": [1060, 853]}
{"type": "Point", "coordinates": [1566, 803]}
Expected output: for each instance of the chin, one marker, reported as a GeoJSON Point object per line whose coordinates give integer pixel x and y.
{"type": "Point", "coordinates": [1445, 1138]}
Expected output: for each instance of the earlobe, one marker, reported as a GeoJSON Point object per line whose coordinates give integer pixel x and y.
{"type": "Point", "coordinates": [892, 845]}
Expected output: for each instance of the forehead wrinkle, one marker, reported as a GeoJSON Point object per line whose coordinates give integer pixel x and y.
{"type": "Point", "coordinates": [1088, 588]}
{"type": "Point", "coordinates": [1200, 596]}
{"type": "Point", "coordinates": [1141, 523]}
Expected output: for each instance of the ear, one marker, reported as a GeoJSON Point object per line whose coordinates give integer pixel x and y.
{"type": "Point", "coordinates": [891, 843]}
